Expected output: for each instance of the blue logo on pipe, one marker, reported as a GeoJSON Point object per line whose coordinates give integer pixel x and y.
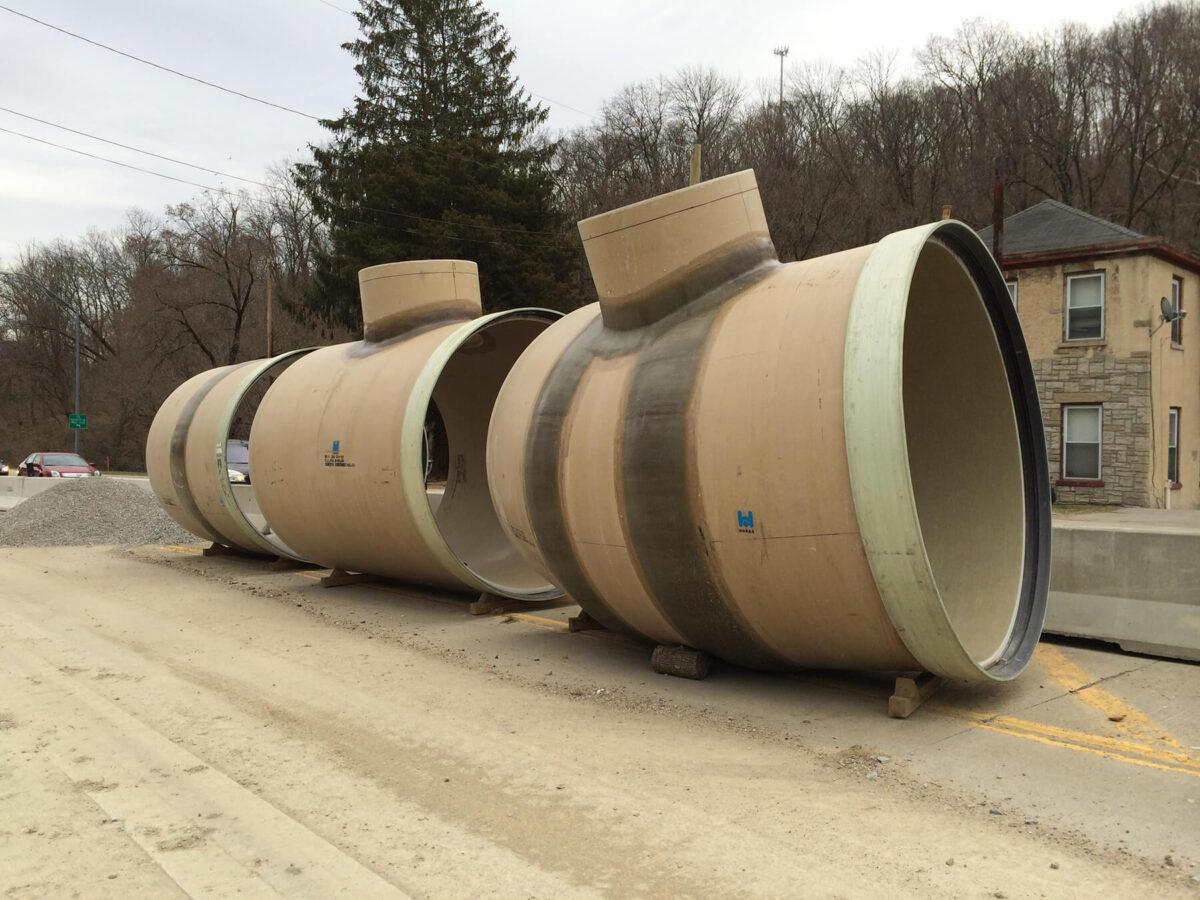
{"type": "Point", "coordinates": [745, 521]}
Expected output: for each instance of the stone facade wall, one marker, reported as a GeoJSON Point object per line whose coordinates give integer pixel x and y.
{"type": "Point", "coordinates": [1122, 385]}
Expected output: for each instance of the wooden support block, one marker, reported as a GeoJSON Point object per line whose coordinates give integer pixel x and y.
{"type": "Point", "coordinates": [583, 622]}
{"type": "Point", "coordinates": [910, 693]}
{"type": "Point", "coordinates": [682, 662]}
{"type": "Point", "coordinates": [490, 603]}
{"type": "Point", "coordinates": [340, 578]}
{"type": "Point", "coordinates": [222, 550]}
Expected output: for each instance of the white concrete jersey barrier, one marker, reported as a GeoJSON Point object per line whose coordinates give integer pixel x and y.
{"type": "Point", "coordinates": [1131, 576]}
{"type": "Point", "coordinates": [16, 489]}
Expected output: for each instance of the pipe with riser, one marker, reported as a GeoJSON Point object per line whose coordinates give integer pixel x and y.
{"type": "Point", "coordinates": [186, 450]}
{"type": "Point", "coordinates": [340, 453]}
{"type": "Point", "coordinates": [834, 463]}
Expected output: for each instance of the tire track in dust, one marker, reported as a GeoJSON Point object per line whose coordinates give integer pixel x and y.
{"type": "Point", "coordinates": [205, 831]}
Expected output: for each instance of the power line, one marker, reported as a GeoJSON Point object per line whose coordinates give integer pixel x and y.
{"type": "Point", "coordinates": [170, 159]}
{"type": "Point", "coordinates": [563, 105]}
{"type": "Point", "coordinates": [429, 150]}
{"type": "Point", "coordinates": [217, 172]}
{"type": "Point", "coordinates": [159, 66]}
{"type": "Point", "coordinates": [114, 162]}
{"type": "Point", "coordinates": [386, 212]}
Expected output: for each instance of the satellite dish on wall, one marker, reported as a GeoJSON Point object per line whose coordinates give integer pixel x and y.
{"type": "Point", "coordinates": [1169, 313]}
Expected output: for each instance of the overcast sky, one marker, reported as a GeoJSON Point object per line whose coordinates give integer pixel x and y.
{"type": "Point", "coordinates": [572, 55]}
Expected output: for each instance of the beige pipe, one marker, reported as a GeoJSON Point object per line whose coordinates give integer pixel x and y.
{"type": "Point", "coordinates": [835, 463]}
{"type": "Point", "coordinates": [338, 460]}
{"type": "Point", "coordinates": [185, 456]}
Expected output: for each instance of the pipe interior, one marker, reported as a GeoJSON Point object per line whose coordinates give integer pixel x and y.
{"type": "Point", "coordinates": [464, 395]}
{"type": "Point", "coordinates": [239, 429]}
{"type": "Point", "coordinates": [964, 452]}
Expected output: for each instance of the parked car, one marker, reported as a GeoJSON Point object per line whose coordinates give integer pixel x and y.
{"type": "Point", "coordinates": [56, 465]}
{"type": "Point", "coordinates": [237, 461]}
{"type": "Point", "coordinates": [3, 467]}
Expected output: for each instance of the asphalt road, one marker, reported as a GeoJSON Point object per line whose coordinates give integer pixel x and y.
{"type": "Point", "coordinates": [179, 725]}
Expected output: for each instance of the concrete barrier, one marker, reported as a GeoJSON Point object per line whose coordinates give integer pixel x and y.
{"type": "Point", "coordinates": [1131, 576]}
{"type": "Point", "coordinates": [16, 488]}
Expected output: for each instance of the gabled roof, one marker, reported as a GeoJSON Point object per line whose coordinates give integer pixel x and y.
{"type": "Point", "coordinates": [1049, 233]}
{"type": "Point", "coordinates": [1050, 226]}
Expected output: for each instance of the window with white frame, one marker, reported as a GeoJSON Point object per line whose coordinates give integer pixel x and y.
{"type": "Point", "coordinates": [1085, 306]}
{"type": "Point", "coordinates": [1012, 291]}
{"type": "Point", "coordinates": [1177, 302]}
{"type": "Point", "coordinates": [1173, 445]}
{"type": "Point", "coordinates": [1081, 443]}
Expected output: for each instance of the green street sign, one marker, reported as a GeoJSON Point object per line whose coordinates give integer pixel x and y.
{"type": "Point", "coordinates": [77, 420]}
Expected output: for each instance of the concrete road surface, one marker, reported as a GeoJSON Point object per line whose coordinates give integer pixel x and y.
{"type": "Point", "coordinates": [179, 725]}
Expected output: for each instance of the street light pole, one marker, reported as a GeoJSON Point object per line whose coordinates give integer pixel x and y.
{"type": "Point", "coordinates": [75, 308]}
{"type": "Point", "coordinates": [782, 53]}
{"type": "Point", "coordinates": [76, 430]}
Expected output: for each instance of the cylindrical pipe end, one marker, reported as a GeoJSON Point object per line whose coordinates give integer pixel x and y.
{"type": "Point", "coordinates": [651, 258]}
{"type": "Point", "coordinates": [405, 296]}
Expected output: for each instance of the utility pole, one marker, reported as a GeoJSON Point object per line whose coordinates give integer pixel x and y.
{"type": "Point", "coordinates": [781, 52]}
{"type": "Point", "coordinates": [75, 308]}
{"type": "Point", "coordinates": [270, 341]}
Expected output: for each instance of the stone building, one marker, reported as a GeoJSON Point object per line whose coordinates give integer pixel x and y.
{"type": "Point", "coordinates": [1119, 386]}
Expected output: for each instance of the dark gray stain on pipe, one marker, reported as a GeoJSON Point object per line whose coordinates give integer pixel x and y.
{"type": "Point", "coordinates": [661, 513]}
{"type": "Point", "coordinates": [543, 495]}
{"type": "Point", "coordinates": [408, 324]}
{"type": "Point", "coordinates": [178, 456]}
{"type": "Point", "coordinates": [646, 309]}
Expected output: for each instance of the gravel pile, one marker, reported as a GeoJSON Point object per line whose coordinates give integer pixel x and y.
{"type": "Point", "coordinates": [90, 511]}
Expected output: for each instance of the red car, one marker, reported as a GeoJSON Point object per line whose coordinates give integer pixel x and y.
{"type": "Point", "coordinates": [57, 465]}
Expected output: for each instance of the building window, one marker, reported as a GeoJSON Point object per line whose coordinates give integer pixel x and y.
{"type": "Point", "coordinates": [1085, 306]}
{"type": "Point", "coordinates": [1177, 302]}
{"type": "Point", "coordinates": [1173, 445]}
{"type": "Point", "coordinates": [1081, 443]}
{"type": "Point", "coordinates": [1012, 291]}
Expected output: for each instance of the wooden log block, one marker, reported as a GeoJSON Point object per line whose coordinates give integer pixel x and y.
{"type": "Point", "coordinates": [910, 692]}
{"type": "Point", "coordinates": [583, 622]}
{"type": "Point", "coordinates": [489, 603]}
{"type": "Point", "coordinates": [682, 662]}
{"type": "Point", "coordinates": [222, 550]}
{"type": "Point", "coordinates": [340, 578]}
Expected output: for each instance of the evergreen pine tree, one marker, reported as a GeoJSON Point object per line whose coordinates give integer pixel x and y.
{"type": "Point", "coordinates": [439, 157]}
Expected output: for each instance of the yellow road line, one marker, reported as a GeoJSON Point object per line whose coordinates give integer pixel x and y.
{"type": "Point", "coordinates": [1071, 739]}
{"type": "Point", "coordinates": [1086, 743]}
{"type": "Point", "coordinates": [1128, 720]}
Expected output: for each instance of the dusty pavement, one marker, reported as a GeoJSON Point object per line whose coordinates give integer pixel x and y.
{"type": "Point", "coordinates": [175, 725]}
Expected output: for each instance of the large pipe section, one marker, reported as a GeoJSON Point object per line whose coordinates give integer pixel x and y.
{"type": "Point", "coordinates": [339, 459]}
{"type": "Point", "coordinates": [833, 463]}
{"type": "Point", "coordinates": [185, 455]}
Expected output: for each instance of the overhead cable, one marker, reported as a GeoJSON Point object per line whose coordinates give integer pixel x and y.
{"type": "Point", "coordinates": [227, 192]}
{"type": "Point", "coordinates": [147, 62]}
